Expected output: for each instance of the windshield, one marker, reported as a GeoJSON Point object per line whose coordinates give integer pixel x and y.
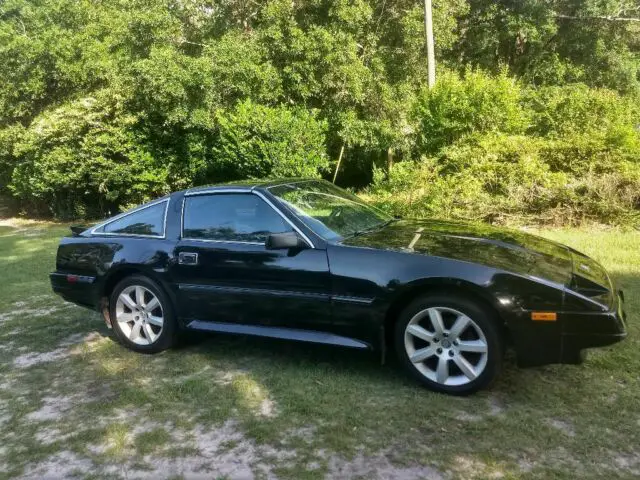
{"type": "Point", "coordinates": [328, 210]}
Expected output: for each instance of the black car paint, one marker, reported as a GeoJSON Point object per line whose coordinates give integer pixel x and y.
{"type": "Point", "coordinates": [348, 292]}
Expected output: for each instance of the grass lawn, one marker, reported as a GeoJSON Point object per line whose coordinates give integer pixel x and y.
{"type": "Point", "coordinates": [74, 402]}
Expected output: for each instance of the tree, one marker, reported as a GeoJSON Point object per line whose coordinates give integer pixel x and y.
{"type": "Point", "coordinates": [555, 42]}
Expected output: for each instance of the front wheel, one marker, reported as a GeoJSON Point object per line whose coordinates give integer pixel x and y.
{"type": "Point", "coordinates": [449, 343]}
{"type": "Point", "coordinates": [142, 316]}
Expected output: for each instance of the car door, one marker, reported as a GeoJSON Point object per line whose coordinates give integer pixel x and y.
{"type": "Point", "coordinates": [224, 273]}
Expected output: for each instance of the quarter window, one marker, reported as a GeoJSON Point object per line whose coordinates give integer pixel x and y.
{"type": "Point", "coordinates": [147, 221]}
{"type": "Point", "coordinates": [231, 218]}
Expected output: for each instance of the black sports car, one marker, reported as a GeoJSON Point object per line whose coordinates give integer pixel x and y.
{"type": "Point", "coordinates": [304, 260]}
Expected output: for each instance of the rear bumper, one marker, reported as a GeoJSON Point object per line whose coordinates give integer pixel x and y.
{"type": "Point", "coordinates": [78, 289]}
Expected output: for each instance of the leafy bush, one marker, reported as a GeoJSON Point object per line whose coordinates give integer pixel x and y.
{"type": "Point", "coordinates": [258, 141]}
{"type": "Point", "coordinates": [473, 104]}
{"type": "Point", "coordinates": [577, 109]}
{"type": "Point", "coordinates": [89, 157]}
{"type": "Point", "coordinates": [505, 179]}
{"type": "Point", "coordinates": [8, 138]}
{"type": "Point", "coordinates": [83, 159]}
{"type": "Point", "coordinates": [495, 151]}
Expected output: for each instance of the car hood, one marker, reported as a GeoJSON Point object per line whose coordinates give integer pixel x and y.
{"type": "Point", "coordinates": [499, 248]}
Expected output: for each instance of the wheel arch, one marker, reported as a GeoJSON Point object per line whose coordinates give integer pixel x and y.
{"type": "Point", "coordinates": [440, 285]}
{"type": "Point", "coordinates": [117, 275]}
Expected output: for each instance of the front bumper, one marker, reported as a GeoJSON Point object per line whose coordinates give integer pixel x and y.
{"type": "Point", "coordinates": [582, 331]}
{"type": "Point", "coordinates": [567, 339]}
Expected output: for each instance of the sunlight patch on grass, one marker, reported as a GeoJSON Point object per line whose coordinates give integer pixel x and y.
{"type": "Point", "coordinates": [254, 397]}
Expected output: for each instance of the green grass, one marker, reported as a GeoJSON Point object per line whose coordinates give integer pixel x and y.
{"type": "Point", "coordinates": [74, 402]}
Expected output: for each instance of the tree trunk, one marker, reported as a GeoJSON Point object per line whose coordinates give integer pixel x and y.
{"type": "Point", "coordinates": [431, 55]}
{"type": "Point", "coordinates": [335, 174]}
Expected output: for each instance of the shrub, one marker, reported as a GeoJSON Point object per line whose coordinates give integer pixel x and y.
{"type": "Point", "coordinates": [579, 110]}
{"type": "Point", "coordinates": [473, 104]}
{"type": "Point", "coordinates": [83, 159]}
{"type": "Point", "coordinates": [258, 141]}
{"type": "Point", "coordinates": [506, 179]}
{"type": "Point", "coordinates": [88, 158]}
{"type": "Point", "coordinates": [492, 151]}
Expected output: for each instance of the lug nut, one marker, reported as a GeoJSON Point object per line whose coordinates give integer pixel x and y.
{"type": "Point", "coordinates": [451, 354]}
{"type": "Point", "coordinates": [439, 350]}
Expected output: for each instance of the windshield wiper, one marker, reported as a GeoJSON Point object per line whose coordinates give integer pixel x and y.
{"type": "Point", "coordinates": [357, 233]}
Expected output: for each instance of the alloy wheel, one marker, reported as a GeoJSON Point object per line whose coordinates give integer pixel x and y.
{"type": "Point", "coordinates": [139, 315]}
{"type": "Point", "coordinates": [446, 346]}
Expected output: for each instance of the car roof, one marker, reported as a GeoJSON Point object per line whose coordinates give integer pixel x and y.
{"type": "Point", "coordinates": [246, 185]}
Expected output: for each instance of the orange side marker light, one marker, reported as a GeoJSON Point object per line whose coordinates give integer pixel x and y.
{"type": "Point", "coordinates": [544, 316]}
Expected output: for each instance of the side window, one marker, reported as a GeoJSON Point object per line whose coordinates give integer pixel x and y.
{"type": "Point", "coordinates": [230, 217]}
{"type": "Point", "coordinates": [148, 221]}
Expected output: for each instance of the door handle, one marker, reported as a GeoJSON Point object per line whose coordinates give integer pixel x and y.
{"type": "Point", "coordinates": [187, 258]}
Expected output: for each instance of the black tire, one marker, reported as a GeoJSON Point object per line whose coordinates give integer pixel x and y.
{"type": "Point", "coordinates": [168, 332]}
{"type": "Point", "coordinates": [448, 306]}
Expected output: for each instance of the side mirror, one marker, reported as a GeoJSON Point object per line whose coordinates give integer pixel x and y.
{"type": "Point", "coordinates": [283, 241]}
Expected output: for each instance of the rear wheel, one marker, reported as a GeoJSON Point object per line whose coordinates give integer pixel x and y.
{"type": "Point", "coordinates": [449, 343]}
{"type": "Point", "coordinates": [141, 315]}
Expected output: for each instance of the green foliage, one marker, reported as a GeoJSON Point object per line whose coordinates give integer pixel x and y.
{"type": "Point", "coordinates": [503, 179]}
{"type": "Point", "coordinates": [85, 158]}
{"type": "Point", "coordinates": [258, 141]}
{"type": "Point", "coordinates": [482, 177]}
{"type": "Point", "coordinates": [578, 160]}
{"type": "Point", "coordinates": [476, 103]}
{"type": "Point", "coordinates": [555, 42]}
{"type": "Point", "coordinates": [82, 152]}
{"type": "Point", "coordinates": [8, 138]}
{"type": "Point", "coordinates": [105, 104]}
{"type": "Point", "coordinates": [577, 109]}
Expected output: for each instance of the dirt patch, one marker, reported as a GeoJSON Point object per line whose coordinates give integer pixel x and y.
{"type": "Point", "coordinates": [495, 407]}
{"type": "Point", "coordinates": [267, 408]}
{"type": "Point", "coordinates": [377, 467]}
{"type": "Point", "coordinates": [211, 443]}
{"type": "Point", "coordinates": [629, 463]}
{"type": "Point", "coordinates": [60, 465]}
{"type": "Point", "coordinates": [53, 408]}
{"type": "Point", "coordinates": [469, 417]}
{"type": "Point", "coordinates": [559, 458]}
{"type": "Point", "coordinates": [222, 452]}
{"type": "Point", "coordinates": [20, 313]}
{"type": "Point", "coordinates": [30, 359]}
{"type": "Point", "coordinates": [49, 435]}
{"type": "Point", "coordinates": [563, 426]}
{"type": "Point", "coordinates": [305, 434]}
{"type": "Point", "coordinates": [80, 338]}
